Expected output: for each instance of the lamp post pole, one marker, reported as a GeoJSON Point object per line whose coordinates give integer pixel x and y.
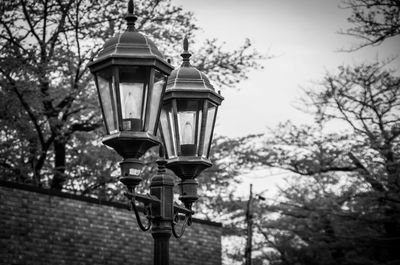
{"type": "Point", "coordinates": [161, 186]}
{"type": "Point", "coordinates": [161, 245]}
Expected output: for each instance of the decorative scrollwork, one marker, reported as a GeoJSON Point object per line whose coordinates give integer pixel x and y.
{"type": "Point", "coordinates": [146, 211]}
{"type": "Point", "coordinates": [187, 222]}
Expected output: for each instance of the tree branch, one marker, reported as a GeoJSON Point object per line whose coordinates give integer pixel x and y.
{"type": "Point", "coordinates": [26, 106]}
{"type": "Point", "coordinates": [28, 20]}
{"type": "Point", "coordinates": [367, 175]}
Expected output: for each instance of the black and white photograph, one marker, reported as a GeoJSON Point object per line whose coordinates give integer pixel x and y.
{"type": "Point", "coordinates": [176, 132]}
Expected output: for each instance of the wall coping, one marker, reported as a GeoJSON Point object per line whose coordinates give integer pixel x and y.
{"type": "Point", "coordinates": [93, 200]}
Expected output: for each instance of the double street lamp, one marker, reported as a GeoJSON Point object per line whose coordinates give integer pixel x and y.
{"type": "Point", "coordinates": [146, 103]}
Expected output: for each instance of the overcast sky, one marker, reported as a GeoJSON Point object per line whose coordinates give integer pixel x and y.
{"type": "Point", "coordinates": [302, 34]}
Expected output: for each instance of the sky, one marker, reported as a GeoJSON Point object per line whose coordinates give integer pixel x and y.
{"type": "Point", "coordinates": [303, 36]}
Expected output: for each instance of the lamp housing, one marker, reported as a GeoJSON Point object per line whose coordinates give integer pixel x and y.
{"type": "Point", "coordinates": [130, 75]}
{"type": "Point", "coordinates": [187, 123]}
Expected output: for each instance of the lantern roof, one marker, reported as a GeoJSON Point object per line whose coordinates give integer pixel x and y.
{"type": "Point", "coordinates": [187, 81]}
{"type": "Point", "coordinates": [130, 43]}
{"type": "Point", "coordinates": [123, 47]}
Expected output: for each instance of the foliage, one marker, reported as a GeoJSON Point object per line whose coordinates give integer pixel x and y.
{"type": "Point", "coordinates": [217, 184]}
{"type": "Point", "coordinates": [344, 205]}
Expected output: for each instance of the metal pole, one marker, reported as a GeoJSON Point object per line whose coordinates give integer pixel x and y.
{"type": "Point", "coordinates": [161, 245]}
{"type": "Point", "coordinates": [249, 220]}
{"type": "Point", "coordinates": [162, 186]}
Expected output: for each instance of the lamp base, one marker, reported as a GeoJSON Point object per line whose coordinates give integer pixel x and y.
{"type": "Point", "coordinates": [188, 167]}
{"type": "Point", "coordinates": [131, 169]}
{"type": "Point", "coordinates": [188, 192]}
{"type": "Point", "coordinates": [131, 144]}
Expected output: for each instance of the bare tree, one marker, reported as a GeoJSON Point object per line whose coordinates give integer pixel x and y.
{"type": "Point", "coordinates": [373, 21]}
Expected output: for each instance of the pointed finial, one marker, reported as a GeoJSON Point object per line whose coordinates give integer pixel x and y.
{"type": "Point", "coordinates": [130, 7]}
{"type": "Point", "coordinates": [161, 162]}
{"type": "Point", "coordinates": [185, 44]}
{"type": "Point", "coordinates": [130, 17]}
{"type": "Point", "coordinates": [186, 54]}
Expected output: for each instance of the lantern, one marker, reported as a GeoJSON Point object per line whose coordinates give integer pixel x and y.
{"type": "Point", "coordinates": [187, 123]}
{"type": "Point", "coordinates": [130, 75]}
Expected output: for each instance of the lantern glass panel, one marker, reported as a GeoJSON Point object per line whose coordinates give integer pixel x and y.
{"type": "Point", "coordinates": [209, 126]}
{"type": "Point", "coordinates": [106, 91]}
{"type": "Point", "coordinates": [156, 93]}
{"type": "Point", "coordinates": [133, 92]}
{"type": "Point", "coordinates": [189, 116]}
{"type": "Point", "coordinates": [167, 128]}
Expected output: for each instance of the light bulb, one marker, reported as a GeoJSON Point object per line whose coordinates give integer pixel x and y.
{"type": "Point", "coordinates": [187, 134]}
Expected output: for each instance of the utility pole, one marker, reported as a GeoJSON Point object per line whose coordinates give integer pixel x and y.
{"type": "Point", "coordinates": [249, 221]}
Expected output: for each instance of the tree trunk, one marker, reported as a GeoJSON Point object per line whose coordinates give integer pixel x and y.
{"type": "Point", "coordinates": [59, 164]}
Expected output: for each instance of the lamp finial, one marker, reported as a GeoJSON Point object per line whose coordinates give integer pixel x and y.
{"type": "Point", "coordinates": [186, 54]}
{"type": "Point", "coordinates": [131, 7]}
{"type": "Point", "coordinates": [130, 17]}
{"type": "Point", "coordinates": [185, 44]}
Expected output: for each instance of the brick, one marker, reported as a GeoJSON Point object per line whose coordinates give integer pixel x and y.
{"type": "Point", "coordinates": [45, 227]}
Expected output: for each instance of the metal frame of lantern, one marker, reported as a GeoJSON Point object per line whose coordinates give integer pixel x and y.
{"type": "Point", "coordinates": [187, 124]}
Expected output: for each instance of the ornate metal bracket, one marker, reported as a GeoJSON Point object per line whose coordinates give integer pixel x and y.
{"type": "Point", "coordinates": [148, 200]}
{"type": "Point", "coordinates": [187, 219]}
{"type": "Point", "coordinates": [161, 211]}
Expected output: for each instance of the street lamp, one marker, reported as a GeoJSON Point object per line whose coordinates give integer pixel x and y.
{"type": "Point", "coordinates": [187, 124]}
{"type": "Point", "coordinates": [136, 96]}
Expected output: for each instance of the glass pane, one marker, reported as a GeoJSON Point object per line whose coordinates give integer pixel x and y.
{"type": "Point", "coordinates": [168, 130]}
{"type": "Point", "coordinates": [198, 129]}
{"type": "Point", "coordinates": [105, 86]}
{"type": "Point", "coordinates": [188, 112]}
{"type": "Point", "coordinates": [132, 89]}
{"type": "Point", "coordinates": [155, 100]}
{"type": "Point", "coordinates": [209, 128]}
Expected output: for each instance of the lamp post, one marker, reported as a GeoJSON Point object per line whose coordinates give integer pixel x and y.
{"type": "Point", "coordinates": [136, 96]}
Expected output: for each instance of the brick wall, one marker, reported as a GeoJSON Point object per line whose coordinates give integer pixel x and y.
{"type": "Point", "coordinates": [47, 227]}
